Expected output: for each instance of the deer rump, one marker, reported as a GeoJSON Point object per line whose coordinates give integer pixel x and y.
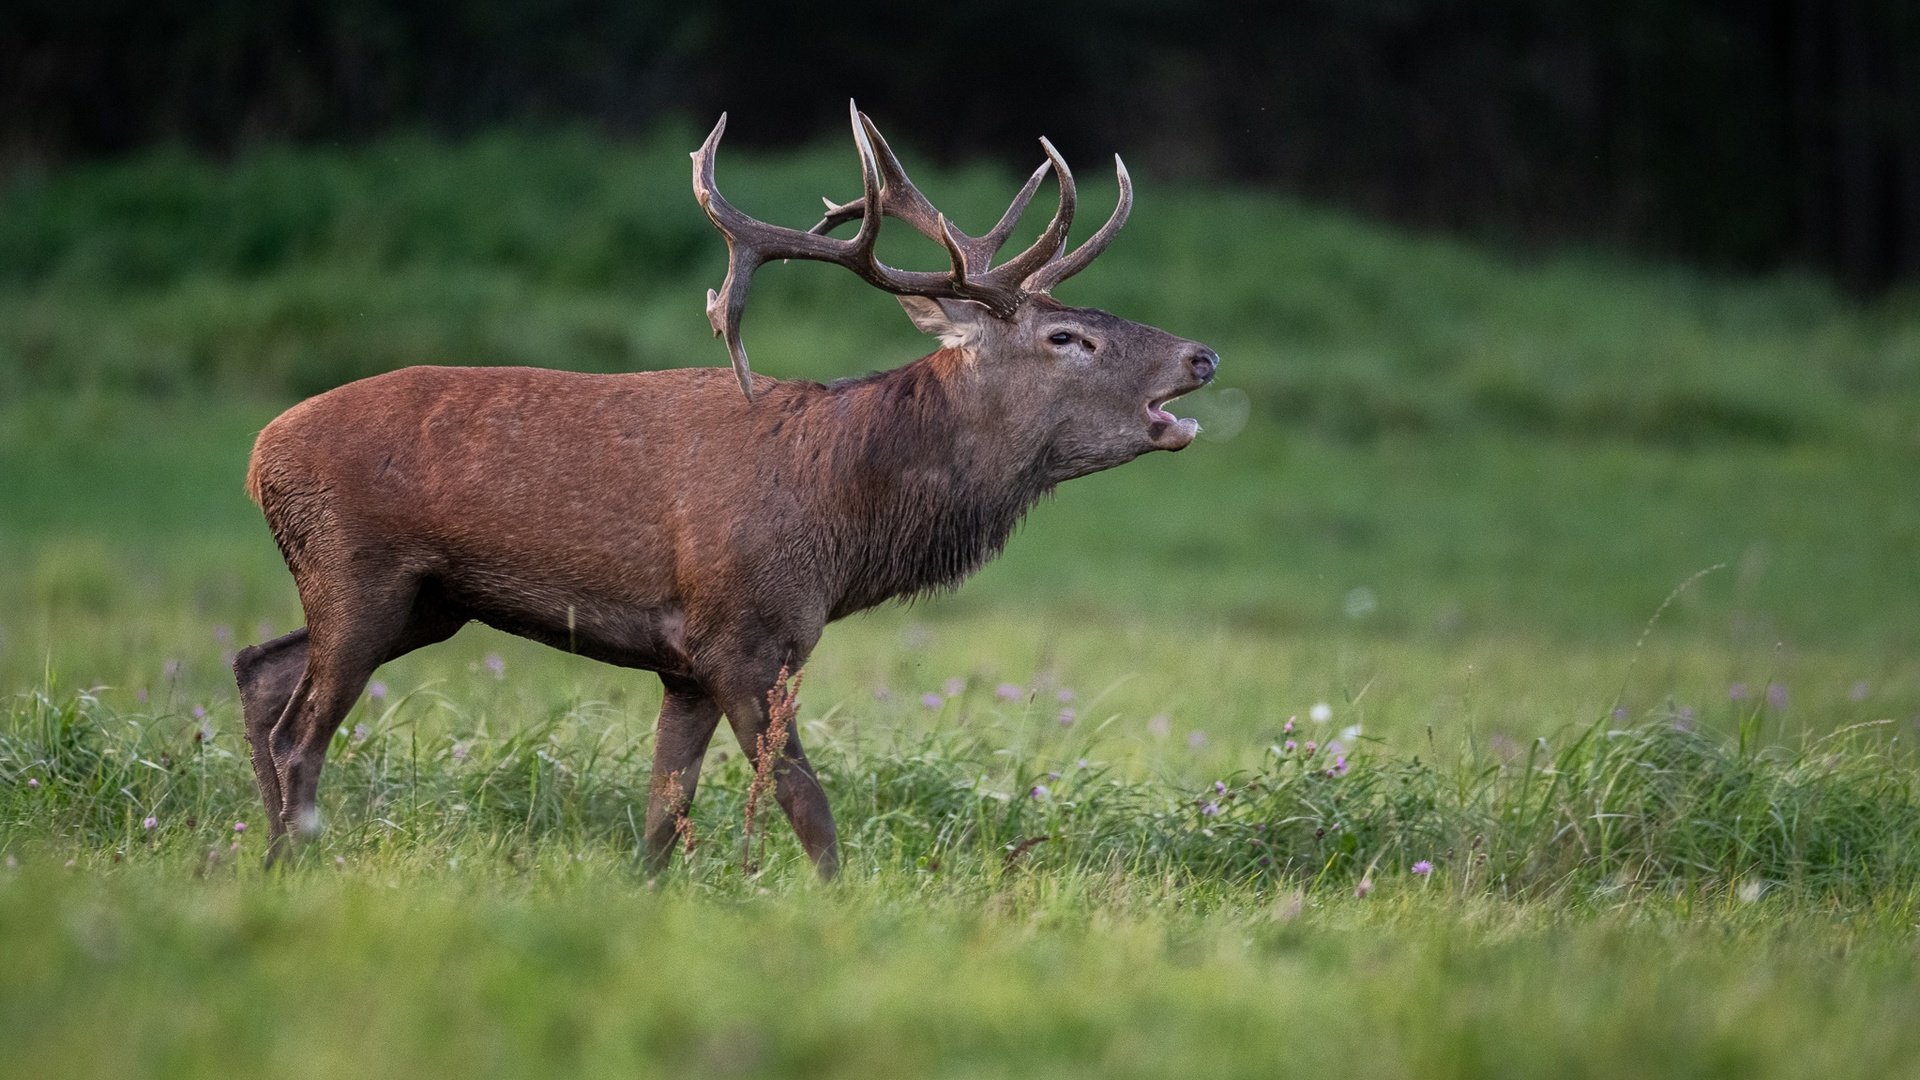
{"type": "Point", "coordinates": [666, 522]}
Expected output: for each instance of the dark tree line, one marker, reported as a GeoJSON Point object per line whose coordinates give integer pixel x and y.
{"type": "Point", "coordinates": [1746, 133]}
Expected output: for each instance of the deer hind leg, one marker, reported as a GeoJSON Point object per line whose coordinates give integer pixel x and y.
{"type": "Point", "coordinates": [687, 719]}
{"type": "Point", "coordinates": [348, 636]}
{"type": "Point", "coordinates": [268, 675]}
{"type": "Point", "coordinates": [795, 785]}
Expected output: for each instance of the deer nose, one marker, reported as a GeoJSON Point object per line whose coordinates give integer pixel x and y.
{"type": "Point", "coordinates": [1204, 363]}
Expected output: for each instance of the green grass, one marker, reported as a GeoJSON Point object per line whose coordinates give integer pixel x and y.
{"type": "Point", "coordinates": [571, 969]}
{"type": "Point", "coordinates": [1643, 900]}
{"type": "Point", "coordinates": [1607, 808]}
{"type": "Point", "coordinates": [1615, 568]}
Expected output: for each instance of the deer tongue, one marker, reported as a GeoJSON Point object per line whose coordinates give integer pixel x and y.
{"type": "Point", "coordinates": [1168, 432]}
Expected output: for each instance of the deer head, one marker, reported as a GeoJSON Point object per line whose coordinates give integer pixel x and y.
{"type": "Point", "coordinates": [1089, 386]}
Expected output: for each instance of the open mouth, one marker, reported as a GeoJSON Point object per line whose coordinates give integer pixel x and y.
{"type": "Point", "coordinates": [1157, 410]}
{"type": "Point", "coordinates": [1166, 430]}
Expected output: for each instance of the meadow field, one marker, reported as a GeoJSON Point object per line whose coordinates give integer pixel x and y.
{"type": "Point", "coordinates": [1520, 676]}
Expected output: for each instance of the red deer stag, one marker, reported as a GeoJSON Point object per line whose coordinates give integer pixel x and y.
{"type": "Point", "coordinates": [660, 521]}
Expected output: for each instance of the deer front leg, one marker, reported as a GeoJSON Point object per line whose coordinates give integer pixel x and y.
{"type": "Point", "coordinates": [687, 719]}
{"type": "Point", "coordinates": [795, 785]}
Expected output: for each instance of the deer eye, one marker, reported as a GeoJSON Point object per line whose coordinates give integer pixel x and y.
{"type": "Point", "coordinates": [1061, 337]}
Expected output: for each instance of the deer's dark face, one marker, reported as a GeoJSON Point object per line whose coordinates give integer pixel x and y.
{"type": "Point", "coordinates": [1095, 387]}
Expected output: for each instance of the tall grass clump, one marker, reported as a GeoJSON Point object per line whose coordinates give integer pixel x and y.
{"type": "Point", "coordinates": [1647, 807]}
{"type": "Point", "coordinates": [1665, 804]}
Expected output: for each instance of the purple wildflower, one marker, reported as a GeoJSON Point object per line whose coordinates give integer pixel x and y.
{"type": "Point", "coordinates": [461, 750]}
{"type": "Point", "coordinates": [1067, 717]}
{"type": "Point", "coordinates": [199, 712]}
{"type": "Point", "coordinates": [932, 700]}
{"type": "Point", "coordinates": [497, 665]}
{"type": "Point", "coordinates": [1212, 809]}
{"type": "Point", "coordinates": [151, 823]}
{"type": "Point", "coordinates": [377, 691]}
{"type": "Point", "coordinates": [1738, 692]}
{"type": "Point", "coordinates": [1422, 868]}
{"type": "Point", "coordinates": [1290, 746]}
{"type": "Point", "coordinates": [1310, 747]}
{"type": "Point", "coordinates": [1339, 767]}
{"type": "Point", "coordinates": [1361, 890]}
{"type": "Point", "coordinates": [1039, 792]}
{"type": "Point", "coordinates": [1777, 695]}
{"type": "Point", "coordinates": [1287, 728]}
{"type": "Point", "coordinates": [1619, 712]}
{"type": "Point", "coordinates": [239, 826]}
{"type": "Point", "coordinates": [1160, 724]}
{"type": "Point", "coordinates": [955, 686]}
{"type": "Point", "coordinates": [1081, 764]}
{"type": "Point", "coordinates": [1007, 691]}
{"type": "Point", "coordinates": [1064, 696]}
{"type": "Point", "coordinates": [1196, 739]}
{"type": "Point", "coordinates": [1219, 787]}
{"type": "Point", "coordinates": [1335, 748]}
{"type": "Point", "coordinates": [359, 733]}
{"type": "Point", "coordinates": [33, 783]}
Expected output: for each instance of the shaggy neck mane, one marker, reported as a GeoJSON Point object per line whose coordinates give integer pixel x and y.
{"type": "Point", "coordinates": [922, 496]}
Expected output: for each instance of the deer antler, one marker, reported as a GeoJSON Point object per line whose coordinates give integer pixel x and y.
{"type": "Point", "coordinates": [899, 198]}
{"type": "Point", "coordinates": [998, 288]}
{"type": "Point", "coordinates": [1064, 266]}
{"type": "Point", "coordinates": [752, 243]}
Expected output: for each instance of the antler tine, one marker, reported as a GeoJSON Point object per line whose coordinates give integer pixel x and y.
{"type": "Point", "coordinates": [838, 214]}
{"type": "Point", "coordinates": [1001, 286]}
{"type": "Point", "coordinates": [1065, 266]}
{"type": "Point", "coordinates": [871, 180]}
{"type": "Point", "coordinates": [902, 199]}
{"type": "Point", "coordinates": [996, 237]}
{"type": "Point", "coordinates": [1010, 276]}
{"type": "Point", "coordinates": [899, 197]}
{"type": "Point", "coordinates": [882, 173]}
{"type": "Point", "coordinates": [724, 307]}
{"type": "Point", "coordinates": [969, 256]}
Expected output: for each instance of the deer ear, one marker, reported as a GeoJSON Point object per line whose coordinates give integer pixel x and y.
{"type": "Point", "coordinates": [956, 323]}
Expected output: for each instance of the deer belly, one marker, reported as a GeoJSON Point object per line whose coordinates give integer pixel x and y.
{"type": "Point", "coordinates": [634, 631]}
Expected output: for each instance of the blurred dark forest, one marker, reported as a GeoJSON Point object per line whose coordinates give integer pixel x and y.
{"type": "Point", "coordinates": [1746, 134]}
